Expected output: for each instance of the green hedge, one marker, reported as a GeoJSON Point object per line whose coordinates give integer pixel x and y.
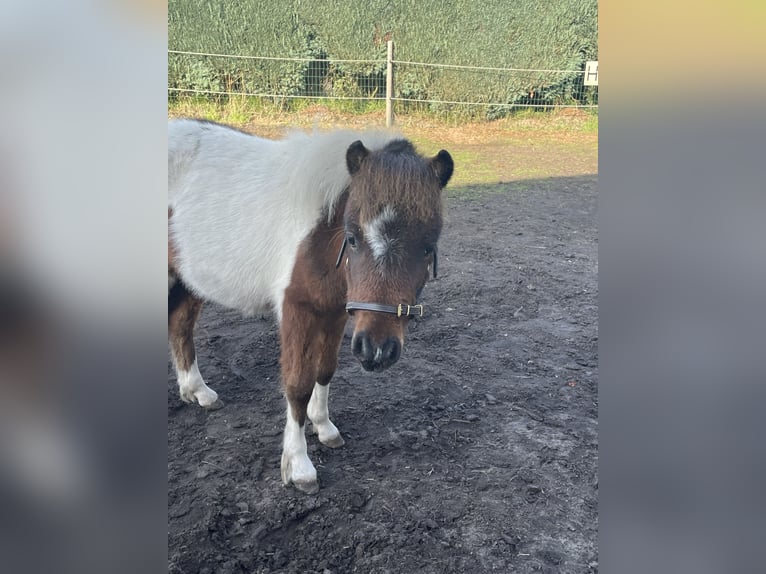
{"type": "Point", "coordinates": [533, 34]}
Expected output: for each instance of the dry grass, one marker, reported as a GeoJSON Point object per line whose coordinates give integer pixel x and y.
{"type": "Point", "coordinates": [526, 146]}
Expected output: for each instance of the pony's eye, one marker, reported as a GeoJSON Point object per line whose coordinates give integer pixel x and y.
{"type": "Point", "coordinates": [351, 240]}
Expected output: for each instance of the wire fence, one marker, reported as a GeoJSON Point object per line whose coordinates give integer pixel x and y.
{"type": "Point", "coordinates": [402, 85]}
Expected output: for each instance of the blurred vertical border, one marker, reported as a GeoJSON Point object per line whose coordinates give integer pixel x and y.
{"type": "Point", "coordinates": [682, 281]}
{"type": "Point", "coordinates": [83, 109]}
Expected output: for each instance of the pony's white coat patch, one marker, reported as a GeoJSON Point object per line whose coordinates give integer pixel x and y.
{"type": "Point", "coordinates": [319, 414]}
{"type": "Point", "coordinates": [242, 205]}
{"type": "Point", "coordinates": [192, 387]}
{"type": "Point", "coordinates": [296, 465]}
{"type": "Point", "coordinates": [374, 232]}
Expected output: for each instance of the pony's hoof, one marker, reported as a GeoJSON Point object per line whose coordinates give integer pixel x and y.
{"type": "Point", "coordinates": [306, 486]}
{"type": "Point", "coordinates": [334, 442]}
{"type": "Point", "coordinates": [206, 397]}
{"type": "Point", "coordinates": [218, 404]}
{"type": "Point", "coordinates": [300, 473]}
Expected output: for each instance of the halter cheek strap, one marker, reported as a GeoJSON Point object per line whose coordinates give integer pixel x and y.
{"type": "Point", "coordinates": [342, 251]}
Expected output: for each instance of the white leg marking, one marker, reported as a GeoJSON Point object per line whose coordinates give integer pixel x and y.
{"type": "Point", "coordinates": [192, 387]}
{"type": "Point", "coordinates": [319, 414]}
{"type": "Point", "coordinates": [296, 465]}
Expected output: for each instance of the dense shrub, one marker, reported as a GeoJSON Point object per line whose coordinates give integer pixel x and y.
{"type": "Point", "coordinates": [529, 34]}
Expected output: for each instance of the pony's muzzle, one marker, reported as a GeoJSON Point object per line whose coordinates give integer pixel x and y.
{"type": "Point", "coordinates": [374, 357]}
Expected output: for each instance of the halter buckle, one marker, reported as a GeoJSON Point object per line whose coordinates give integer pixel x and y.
{"type": "Point", "coordinates": [408, 310]}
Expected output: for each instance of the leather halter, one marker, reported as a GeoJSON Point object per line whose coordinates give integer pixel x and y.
{"type": "Point", "coordinates": [400, 310]}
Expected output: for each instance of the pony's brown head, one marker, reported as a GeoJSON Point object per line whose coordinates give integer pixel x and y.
{"type": "Point", "coordinates": [392, 222]}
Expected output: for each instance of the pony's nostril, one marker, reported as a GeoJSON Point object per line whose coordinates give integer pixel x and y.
{"type": "Point", "coordinates": [356, 345]}
{"type": "Point", "coordinates": [374, 357]}
{"type": "Point", "coordinates": [392, 349]}
{"type": "Point", "coordinates": [361, 346]}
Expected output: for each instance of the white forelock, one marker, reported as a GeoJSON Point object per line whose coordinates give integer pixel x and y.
{"type": "Point", "coordinates": [375, 233]}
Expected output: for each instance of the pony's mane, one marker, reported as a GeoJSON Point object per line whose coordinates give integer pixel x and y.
{"type": "Point", "coordinates": [210, 124]}
{"type": "Point", "coordinates": [323, 155]}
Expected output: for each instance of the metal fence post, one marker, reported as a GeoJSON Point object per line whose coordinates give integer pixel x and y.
{"type": "Point", "coordinates": [389, 83]}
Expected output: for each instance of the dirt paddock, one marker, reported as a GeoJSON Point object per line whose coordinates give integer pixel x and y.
{"type": "Point", "coordinates": [476, 452]}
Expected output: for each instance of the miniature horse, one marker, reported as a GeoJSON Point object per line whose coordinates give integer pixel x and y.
{"type": "Point", "coordinates": [314, 227]}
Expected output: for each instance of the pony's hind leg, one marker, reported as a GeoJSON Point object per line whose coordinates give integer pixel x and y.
{"type": "Point", "coordinates": [183, 311]}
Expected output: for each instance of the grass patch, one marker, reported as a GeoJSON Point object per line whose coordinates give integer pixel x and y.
{"type": "Point", "coordinates": [476, 190]}
{"type": "Point", "coordinates": [471, 166]}
{"type": "Point", "coordinates": [241, 111]}
{"type": "Point", "coordinates": [591, 123]}
{"type": "Point", "coordinates": [235, 110]}
{"type": "Point", "coordinates": [529, 145]}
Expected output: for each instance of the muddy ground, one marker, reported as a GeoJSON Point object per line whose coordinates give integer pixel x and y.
{"type": "Point", "coordinates": [477, 452]}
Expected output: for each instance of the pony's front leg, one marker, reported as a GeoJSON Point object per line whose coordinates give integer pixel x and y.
{"type": "Point", "coordinates": [328, 345]}
{"type": "Point", "coordinates": [298, 376]}
{"type": "Point", "coordinates": [309, 356]}
{"type": "Point", "coordinates": [319, 414]}
{"type": "Point", "coordinates": [297, 468]}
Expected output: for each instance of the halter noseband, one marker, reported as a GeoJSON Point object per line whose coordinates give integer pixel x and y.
{"type": "Point", "coordinates": [400, 310]}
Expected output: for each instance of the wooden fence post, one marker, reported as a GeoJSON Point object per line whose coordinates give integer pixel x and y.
{"type": "Point", "coordinates": [389, 83]}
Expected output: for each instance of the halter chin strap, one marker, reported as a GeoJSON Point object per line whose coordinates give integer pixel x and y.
{"type": "Point", "coordinates": [401, 310]}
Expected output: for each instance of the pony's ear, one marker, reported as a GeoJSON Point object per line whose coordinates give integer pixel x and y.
{"type": "Point", "coordinates": [355, 155]}
{"type": "Point", "coordinates": [443, 166]}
